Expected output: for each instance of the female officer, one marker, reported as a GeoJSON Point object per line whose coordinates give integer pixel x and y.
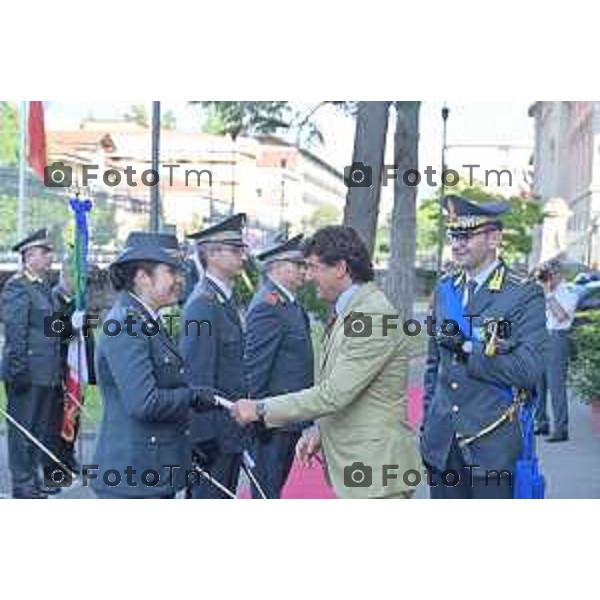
{"type": "Point", "coordinates": [143, 448]}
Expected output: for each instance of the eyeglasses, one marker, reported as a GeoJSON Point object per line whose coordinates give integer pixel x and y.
{"type": "Point", "coordinates": [238, 250]}
{"type": "Point", "coordinates": [466, 236]}
{"type": "Point", "coordinates": [314, 266]}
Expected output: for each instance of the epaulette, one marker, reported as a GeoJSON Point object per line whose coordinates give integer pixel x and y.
{"type": "Point", "coordinates": [516, 279]}
{"type": "Point", "coordinates": [496, 281]}
{"type": "Point", "coordinates": [211, 296]}
{"type": "Point", "coordinates": [273, 298]}
{"type": "Point", "coordinates": [29, 277]}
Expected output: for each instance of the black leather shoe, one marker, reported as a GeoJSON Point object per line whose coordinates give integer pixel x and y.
{"type": "Point", "coordinates": [541, 430]}
{"type": "Point", "coordinates": [558, 437]}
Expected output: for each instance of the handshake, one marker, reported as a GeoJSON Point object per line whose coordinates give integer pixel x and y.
{"type": "Point", "coordinates": [244, 411]}
{"type": "Point", "coordinates": [205, 399]}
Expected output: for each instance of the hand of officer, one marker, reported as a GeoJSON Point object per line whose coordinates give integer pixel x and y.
{"type": "Point", "coordinates": [454, 343]}
{"type": "Point", "coordinates": [203, 399]}
{"type": "Point", "coordinates": [244, 411]}
{"type": "Point", "coordinates": [308, 445]}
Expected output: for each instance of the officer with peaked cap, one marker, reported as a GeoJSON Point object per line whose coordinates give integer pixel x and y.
{"type": "Point", "coordinates": [31, 366]}
{"type": "Point", "coordinates": [278, 356]}
{"type": "Point", "coordinates": [470, 409]}
{"type": "Point", "coordinates": [144, 437]}
{"type": "Point", "coordinates": [212, 343]}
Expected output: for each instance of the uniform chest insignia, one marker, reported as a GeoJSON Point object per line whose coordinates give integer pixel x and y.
{"type": "Point", "coordinates": [497, 280]}
{"type": "Point", "coordinates": [273, 298]}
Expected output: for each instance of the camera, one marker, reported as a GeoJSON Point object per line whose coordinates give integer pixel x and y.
{"type": "Point", "coordinates": [358, 175]}
{"type": "Point", "coordinates": [58, 175]}
{"type": "Point", "coordinates": [57, 477]}
{"type": "Point", "coordinates": [58, 325]}
{"type": "Point", "coordinates": [357, 324]}
{"type": "Point", "coordinates": [543, 275]}
{"type": "Point", "coordinates": [358, 475]}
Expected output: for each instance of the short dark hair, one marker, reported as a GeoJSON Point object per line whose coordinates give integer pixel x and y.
{"type": "Point", "coordinates": [123, 275]}
{"type": "Point", "coordinates": [204, 250]}
{"type": "Point", "coordinates": [338, 242]}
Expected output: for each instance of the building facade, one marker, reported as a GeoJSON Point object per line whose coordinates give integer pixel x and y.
{"type": "Point", "coordinates": [566, 179]}
{"type": "Point", "coordinates": [203, 177]}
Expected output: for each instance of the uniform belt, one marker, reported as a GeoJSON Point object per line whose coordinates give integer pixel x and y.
{"type": "Point", "coordinates": [508, 415]}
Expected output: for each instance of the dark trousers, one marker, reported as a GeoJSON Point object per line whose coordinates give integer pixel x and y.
{"type": "Point", "coordinates": [36, 409]}
{"type": "Point", "coordinates": [225, 468]}
{"type": "Point", "coordinates": [471, 485]}
{"type": "Point", "coordinates": [274, 452]}
{"type": "Point", "coordinates": [555, 383]}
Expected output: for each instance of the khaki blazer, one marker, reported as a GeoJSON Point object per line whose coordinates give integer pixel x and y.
{"type": "Point", "coordinates": [359, 401]}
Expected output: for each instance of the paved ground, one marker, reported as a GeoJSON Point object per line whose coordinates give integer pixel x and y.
{"type": "Point", "coordinates": [572, 469]}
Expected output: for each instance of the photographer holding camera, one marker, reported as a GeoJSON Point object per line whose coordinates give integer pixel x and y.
{"type": "Point", "coordinates": [561, 302]}
{"type": "Point", "coordinates": [31, 366]}
{"type": "Point", "coordinates": [358, 401]}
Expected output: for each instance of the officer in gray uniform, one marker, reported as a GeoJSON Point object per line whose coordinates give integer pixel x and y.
{"type": "Point", "coordinates": [212, 343]}
{"type": "Point", "coordinates": [473, 377]}
{"type": "Point", "coordinates": [143, 446]}
{"type": "Point", "coordinates": [278, 357]}
{"type": "Point", "coordinates": [32, 366]}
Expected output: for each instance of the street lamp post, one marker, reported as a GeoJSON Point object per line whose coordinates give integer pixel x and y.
{"type": "Point", "coordinates": [441, 236]}
{"type": "Point", "coordinates": [155, 189]}
{"type": "Point", "coordinates": [282, 199]}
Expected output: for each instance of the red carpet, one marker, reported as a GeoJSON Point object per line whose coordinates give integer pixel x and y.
{"type": "Point", "coordinates": [310, 483]}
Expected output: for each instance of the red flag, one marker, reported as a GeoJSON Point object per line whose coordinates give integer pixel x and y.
{"type": "Point", "coordinates": [37, 138]}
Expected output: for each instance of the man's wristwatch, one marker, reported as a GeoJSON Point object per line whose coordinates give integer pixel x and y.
{"type": "Point", "coordinates": [261, 411]}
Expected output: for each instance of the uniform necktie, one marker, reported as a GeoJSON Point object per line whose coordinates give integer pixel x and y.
{"type": "Point", "coordinates": [469, 293]}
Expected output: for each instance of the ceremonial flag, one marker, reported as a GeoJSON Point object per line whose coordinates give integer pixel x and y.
{"type": "Point", "coordinates": [77, 367]}
{"type": "Point", "coordinates": [36, 154]}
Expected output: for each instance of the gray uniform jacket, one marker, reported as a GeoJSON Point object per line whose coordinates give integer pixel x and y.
{"type": "Point", "coordinates": [465, 397]}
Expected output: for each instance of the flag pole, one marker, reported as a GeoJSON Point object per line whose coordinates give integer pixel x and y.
{"type": "Point", "coordinates": [22, 170]}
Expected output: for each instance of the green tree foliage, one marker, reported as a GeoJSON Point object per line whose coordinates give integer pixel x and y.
{"type": "Point", "coordinates": [427, 225]}
{"type": "Point", "coordinates": [137, 114]}
{"type": "Point", "coordinates": [323, 215]}
{"type": "Point", "coordinates": [246, 118]}
{"type": "Point", "coordinates": [9, 134]}
{"type": "Point", "coordinates": [168, 120]}
{"type": "Point", "coordinates": [54, 213]}
{"type": "Point", "coordinates": [584, 371]}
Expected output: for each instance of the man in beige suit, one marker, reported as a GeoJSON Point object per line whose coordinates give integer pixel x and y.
{"type": "Point", "coordinates": [358, 404]}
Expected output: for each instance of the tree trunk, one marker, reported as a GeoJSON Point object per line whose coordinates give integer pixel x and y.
{"type": "Point", "coordinates": [362, 203]}
{"type": "Point", "coordinates": [400, 279]}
